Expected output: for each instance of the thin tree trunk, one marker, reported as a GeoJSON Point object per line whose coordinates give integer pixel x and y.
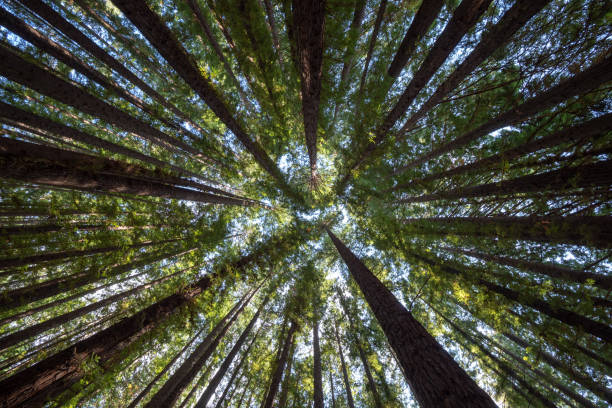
{"type": "Point", "coordinates": [548, 269]}
{"type": "Point", "coordinates": [316, 372]}
{"type": "Point", "coordinates": [331, 387]}
{"type": "Point", "coordinates": [57, 21]}
{"type": "Point", "coordinates": [568, 178]}
{"type": "Point", "coordinates": [345, 376]}
{"type": "Point", "coordinates": [282, 398]}
{"type": "Point", "coordinates": [572, 229]}
{"type": "Point", "coordinates": [435, 378]}
{"type": "Point", "coordinates": [583, 82]}
{"type": "Point", "coordinates": [428, 11]}
{"type": "Point", "coordinates": [568, 317]}
{"type": "Point", "coordinates": [594, 128]}
{"type": "Point", "coordinates": [515, 18]}
{"type": "Point", "coordinates": [17, 69]}
{"type": "Point", "coordinates": [158, 34]}
{"type": "Point", "coordinates": [280, 367]}
{"type": "Point", "coordinates": [309, 25]}
{"type": "Point", "coordinates": [172, 389]}
{"type": "Point", "coordinates": [50, 166]}
{"type": "Point", "coordinates": [214, 382]}
{"type": "Point", "coordinates": [380, 14]}
{"type": "Point", "coordinates": [51, 376]}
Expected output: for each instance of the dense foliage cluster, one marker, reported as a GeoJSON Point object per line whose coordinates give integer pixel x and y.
{"type": "Point", "coordinates": [306, 203]}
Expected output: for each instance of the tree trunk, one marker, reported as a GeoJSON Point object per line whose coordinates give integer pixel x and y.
{"type": "Point", "coordinates": [309, 25]}
{"type": "Point", "coordinates": [280, 367]}
{"type": "Point", "coordinates": [515, 18]}
{"type": "Point", "coordinates": [17, 69]}
{"type": "Point", "coordinates": [428, 11]}
{"type": "Point", "coordinates": [77, 253]}
{"type": "Point", "coordinates": [593, 231]}
{"type": "Point", "coordinates": [56, 167]}
{"type": "Point", "coordinates": [331, 387]}
{"type": "Point", "coordinates": [435, 378]}
{"type": "Point", "coordinates": [214, 382]}
{"type": "Point", "coordinates": [316, 372]}
{"type": "Point", "coordinates": [169, 393]}
{"type": "Point", "coordinates": [583, 82]}
{"type": "Point", "coordinates": [282, 399]}
{"type": "Point", "coordinates": [568, 317]}
{"type": "Point", "coordinates": [594, 128]}
{"type": "Point", "coordinates": [380, 14]}
{"type": "Point", "coordinates": [548, 269]}
{"type": "Point", "coordinates": [57, 21]}
{"type": "Point", "coordinates": [345, 376]}
{"type": "Point", "coordinates": [151, 26]}
{"type": "Point", "coordinates": [53, 375]}
{"type": "Point", "coordinates": [565, 179]}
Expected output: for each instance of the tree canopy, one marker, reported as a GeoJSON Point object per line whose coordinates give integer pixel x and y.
{"type": "Point", "coordinates": [305, 203]}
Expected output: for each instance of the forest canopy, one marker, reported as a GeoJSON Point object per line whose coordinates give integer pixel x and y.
{"type": "Point", "coordinates": [305, 203]}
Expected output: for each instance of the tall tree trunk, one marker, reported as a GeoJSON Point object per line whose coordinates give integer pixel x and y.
{"type": "Point", "coordinates": [435, 378]}
{"type": "Point", "coordinates": [309, 25]}
{"type": "Point", "coordinates": [286, 385]}
{"type": "Point", "coordinates": [362, 354]}
{"type": "Point", "coordinates": [51, 376]}
{"type": "Point", "coordinates": [169, 393]}
{"type": "Point", "coordinates": [380, 14]}
{"type": "Point", "coordinates": [548, 269]}
{"type": "Point", "coordinates": [214, 382]}
{"type": "Point", "coordinates": [76, 253]}
{"type": "Point", "coordinates": [331, 387]}
{"type": "Point", "coordinates": [572, 229]}
{"type": "Point", "coordinates": [280, 366]}
{"type": "Point", "coordinates": [345, 375]}
{"type": "Point", "coordinates": [585, 81]}
{"type": "Point", "coordinates": [515, 18]}
{"type": "Point", "coordinates": [593, 128]}
{"type": "Point", "coordinates": [568, 178]}
{"type": "Point", "coordinates": [597, 329]}
{"type": "Point", "coordinates": [17, 69]}
{"type": "Point", "coordinates": [56, 167]}
{"type": "Point", "coordinates": [160, 36]}
{"type": "Point", "coordinates": [316, 372]}
{"type": "Point", "coordinates": [428, 11]}
{"type": "Point", "coordinates": [57, 21]}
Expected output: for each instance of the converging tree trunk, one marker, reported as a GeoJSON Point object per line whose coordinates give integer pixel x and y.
{"type": "Point", "coordinates": [316, 371]}
{"type": "Point", "coordinates": [279, 367]}
{"type": "Point", "coordinates": [435, 378]}
{"type": "Point", "coordinates": [345, 376]}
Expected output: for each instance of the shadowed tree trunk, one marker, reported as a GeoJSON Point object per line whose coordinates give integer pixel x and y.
{"type": "Point", "coordinates": [317, 375]}
{"type": "Point", "coordinates": [17, 69]}
{"type": "Point", "coordinates": [160, 36]}
{"type": "Point", "coordinates": [515, 18]}
{"type": "Point", "coordinates": [566, 316]}
{"type": "Point", "coordinates": [583, 82]}
{"type": "Point", "coordinates": [51, 376]}
{"type": "Point", "coordinates": [552, 270]}
{"type": "Point", "coordinates": [380, 14]}
{"type": "Point", "coordinates": [428, 11]}
{"type": "Point", "coordinates": [286, 385]}
{"type": "Point", "coordinates": [309, 25]}
{"type": "Point", "coordinates": [214, 382]}
{"type": "Point", "coordinates": [572, 229]}
{"type": "Point", "coordinates": [435, 378]}
{"type": "Point", "coordinates": [63, 168]}
{"type": "Point", "coordinates": [568, 178]}
{"type": "Point", "coordinates": [280, 366]}
{"type": "Point", "coordinates": [345, 375]}
{"type": "Point", "coordinates": [331, 387]}
{"type": "Point", "coordinates": [169, 393]}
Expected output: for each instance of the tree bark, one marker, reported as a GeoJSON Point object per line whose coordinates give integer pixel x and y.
{"type": "Point", "coordinates": [331, 387]}
{"type": "Point", "coordinates": [214, 382]}
{"type": "Point", "coordinates": [309, 25]}
{"type": "Point", "coordinates": [435, 378]}
{"type": "Point", "coordinates": [572, 229]}
{"type": "Point", "coordinates": [282, 398]}
{"type": "Point", "coordinates": [345, 375]}
{"type": "Point", "coordinates": [515, 18]}
{"type": "Point", "coordinates": [17, 69]}
{"type": "Point", "coordinates": [380, 14]}
{"type": "Point", "coordinates": [280, 367]}
{"type": "Point", "coordinates": [428, 11]}
{"type": "Point", "coordinates": [585, 81]}
{"type": "Point", "coordinates": [316, 372]}
{"type": "Point", "coordinates": [63, 168]}
{"type": "Point", "coordinates": [548, 269]}
{"type": "Point", "coordinates": [51, 376]}
{"type": "Point", "coordinates": [568, 317]}
{"type": "Point", "coordinates": [160, 36]}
